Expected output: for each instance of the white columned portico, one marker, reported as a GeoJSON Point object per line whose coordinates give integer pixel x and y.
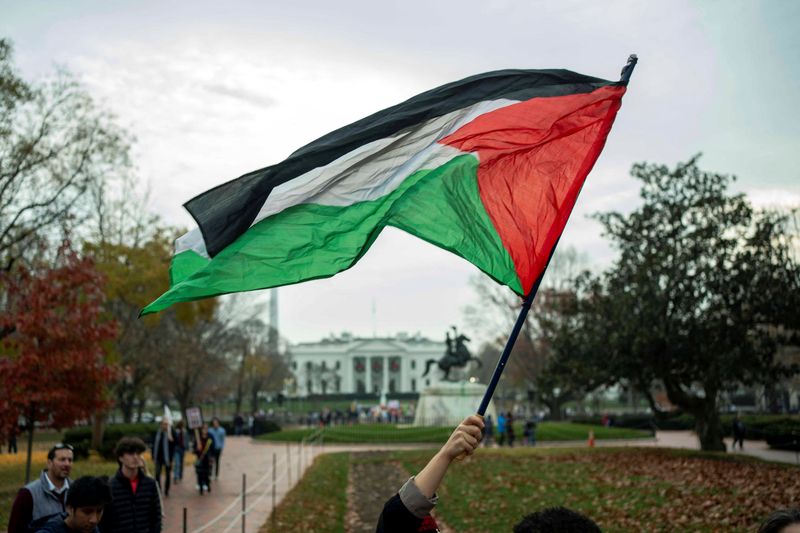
{"type": "Point", "coordinates": [385, 374]}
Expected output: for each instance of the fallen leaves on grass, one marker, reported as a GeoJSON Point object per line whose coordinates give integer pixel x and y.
{"type": "Point", "coordinates": [622, 490]}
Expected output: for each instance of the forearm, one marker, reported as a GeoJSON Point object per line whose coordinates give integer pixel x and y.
{"type": "Point", "coordinates": [431, 476]}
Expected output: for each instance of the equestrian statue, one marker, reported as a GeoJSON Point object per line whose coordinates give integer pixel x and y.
{"type": "Point", "coordinates": [457, 355]}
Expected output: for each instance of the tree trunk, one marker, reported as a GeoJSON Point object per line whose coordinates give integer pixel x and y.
{"type": "Point", "coordinates": [98, 428]}
{"type": "Point", "coordinates": [554, 404]}
{"type": "Point", "coordinates": [709, 427]}
{"type": "Point", "coordinates": [31, 427]}
{"type": "Point", "coordinates": [254, 399]}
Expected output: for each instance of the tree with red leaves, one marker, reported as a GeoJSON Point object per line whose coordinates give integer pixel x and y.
{"type": "Point", "coordinates": [53, 370]}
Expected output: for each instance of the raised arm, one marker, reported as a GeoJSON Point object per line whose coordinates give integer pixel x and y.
{"type": "Point", "coordinates": [464, 440]}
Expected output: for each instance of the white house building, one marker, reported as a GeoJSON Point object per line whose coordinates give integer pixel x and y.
{"type": "Point", "coordinates": [350, 365]}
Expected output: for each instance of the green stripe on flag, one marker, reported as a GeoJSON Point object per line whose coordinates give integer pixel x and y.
{"type": "Point", "coordinates": [310, 241]}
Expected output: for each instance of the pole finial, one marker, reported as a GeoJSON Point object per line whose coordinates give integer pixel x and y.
{"type": "Point", "coordinates": [627, 70]}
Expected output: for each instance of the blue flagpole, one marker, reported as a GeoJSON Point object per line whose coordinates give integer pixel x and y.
{"type": "Point", "coordinates": [625, 77]}
{"type": "Point", "coordinates": [501, 363]}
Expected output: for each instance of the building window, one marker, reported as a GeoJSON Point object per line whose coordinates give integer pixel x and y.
{"type": "Point", "coordinates": [427, 383]}
{"type": "Point", "coordinates": [360, 387]}
{"type": "Point", "coordinates": [324, 365]}
{"type": "Point", "coordinates": [294, 365]}
{"type": "Point", "coordinates": [413, 385]}
{"type": "Point", "coordinates": [308, 386]}
{"type": "Point", "coordinates": [338, 365]}
{"type": "Point", "coordinates": [308, 366]}
{"type": "Point", "coordinates": [413, 364]}
{"type": "Point", "coordinates": [337, 384]}
{"type": "Point", "coordinates": [391, 386]}
{"type": "Point", "coordinates": [324, 387]}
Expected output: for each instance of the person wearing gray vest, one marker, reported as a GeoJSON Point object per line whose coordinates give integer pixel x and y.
{"type": "Point", "coordinates": [39, 500]}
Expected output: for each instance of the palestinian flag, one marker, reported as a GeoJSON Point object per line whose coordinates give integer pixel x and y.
{"type": "Point", "coordinates": [488, 167]}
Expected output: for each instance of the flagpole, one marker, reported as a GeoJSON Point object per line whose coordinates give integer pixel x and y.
{"type": "Point", "coordinates": [625, 77]}
{"type": "Point", "coordinates": [501, 363]}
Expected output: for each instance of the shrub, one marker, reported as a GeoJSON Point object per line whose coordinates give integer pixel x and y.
{"type": "Point", "coordinates": [81, 438]}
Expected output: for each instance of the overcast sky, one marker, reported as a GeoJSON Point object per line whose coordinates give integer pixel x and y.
{"type": "Point", "coordinates": [212, 90]}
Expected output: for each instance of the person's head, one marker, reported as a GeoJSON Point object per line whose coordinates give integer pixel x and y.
{"type": "Point", "coordinates": [59, 462]}
{"type": "Point", "coordinates": [179, 424]}
{"type": "Point", "coordinates": [556, 520]}
{"type": "Point", "coordinates": [204, 430]}
{"type": "Point", "coordinates": [782, 521]}
{"type": "Point", "coordinates": [215, 422]}
{"type": "Point", "coordinates": [85, 502]}
{"type": "Point", "coordinates": [129, 452]}
{"type": "Point", "coordinates": [164, 424]}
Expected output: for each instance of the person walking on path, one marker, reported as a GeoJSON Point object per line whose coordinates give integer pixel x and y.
{"type": "Point", "coordinates": [85, 504]}
{"type": "Point", "coordinates": [510, 429]}
{"type": "Point", "coordinates": [217, 433]}
{"type": "Point", "coordinates": [45, 497]}
{"type": "Point", "coordinates": [488, 431]}
{"type": "Point", "coordinates": [501, 429]}
{"type": "Point", "coordinates": [738, 432]}
{"type": "Point", "coordinates": [529, 433]}
{"type": "Point", "coordinates": [180, 451]}
{"type": "Point", "coordinates": [163, 452]}
{"type": "Point", "coordinates": [238, 424]}
{"type": "Point", "coordinates": [136, 505]}
{"type": "Point", "coordinates": [203, 448]}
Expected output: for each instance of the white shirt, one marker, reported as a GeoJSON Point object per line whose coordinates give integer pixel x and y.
{"type": "Point", "coordinates": [52, 488]}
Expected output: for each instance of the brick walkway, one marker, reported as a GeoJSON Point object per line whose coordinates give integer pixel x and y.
{"type": "Point", "coordinates": [243, 455]}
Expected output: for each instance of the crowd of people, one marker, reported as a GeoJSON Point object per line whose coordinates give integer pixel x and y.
{"type": "Point", "coordinates": [505, 431]}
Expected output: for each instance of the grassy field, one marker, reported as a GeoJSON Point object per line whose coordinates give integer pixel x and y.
{"type": "Point", "coordinates": [623, 489]}
{"type": "Point", "coordinates": [373, 433]}
{"type": "Point", "coordinates": [319, 502]}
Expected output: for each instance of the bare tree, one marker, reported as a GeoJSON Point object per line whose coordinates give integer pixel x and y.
{"type": "Point", "coordinates": [56, 145]}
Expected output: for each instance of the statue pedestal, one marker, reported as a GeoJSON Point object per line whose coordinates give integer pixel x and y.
{"type": "Point", "coordinates": [447, 404]}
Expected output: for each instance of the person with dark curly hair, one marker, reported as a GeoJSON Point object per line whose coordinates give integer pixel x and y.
{"type": "Point", "coordinates": [782, 521]}
{"type": "Point", "coordinates": [85, 503]}
{"type": "Point", "coordinates": [137, 505]}
{"type": "Point", "coordinates": [556, 520]}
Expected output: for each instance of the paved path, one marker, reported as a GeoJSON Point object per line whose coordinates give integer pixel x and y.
{"type": "Point", "coordinates": [254, 458]}
{"type": "Point", "coordinates": [241, 456]}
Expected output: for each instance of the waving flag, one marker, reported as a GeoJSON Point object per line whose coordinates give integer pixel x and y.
{"type": "Point", "coordinates": [488, 167]}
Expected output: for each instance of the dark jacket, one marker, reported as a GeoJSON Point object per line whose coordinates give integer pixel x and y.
{"type": "Point", "coordinates": [56, 525]}
{"type": "Point", "coordinates": [129, 512]}
{"type": "Point", "coordinates": [408, 511]}
{"type": "Point", "coordinates": [158, 447]}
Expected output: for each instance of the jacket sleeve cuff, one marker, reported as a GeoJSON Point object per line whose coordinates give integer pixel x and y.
{"type": "Point", "coordinates": [416, 502]}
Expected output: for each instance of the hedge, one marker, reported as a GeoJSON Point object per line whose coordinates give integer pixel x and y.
{"type": "Point", "coordinates": [80, 438]}
{"type": "Point", "coordinates": [780, 431]}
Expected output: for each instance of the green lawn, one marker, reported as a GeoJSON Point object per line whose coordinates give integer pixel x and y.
{"type": "Point", "coordinates": [622, 489]}
{"type": "Point", "coordinates": [319, 502]}
{"type": "Point", "coordinates": [372, 433]}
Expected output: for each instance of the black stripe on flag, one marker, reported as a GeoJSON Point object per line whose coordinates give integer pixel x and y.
{"type": "Point", "coordinates": [226, 211]}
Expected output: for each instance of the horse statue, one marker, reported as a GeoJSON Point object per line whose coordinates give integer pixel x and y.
{"type": "Point", "coordinates": [456, 355]}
